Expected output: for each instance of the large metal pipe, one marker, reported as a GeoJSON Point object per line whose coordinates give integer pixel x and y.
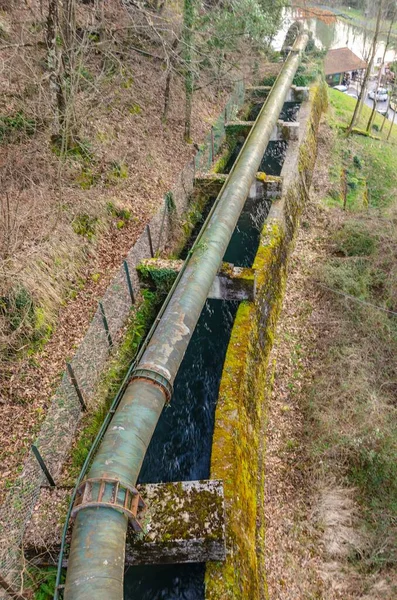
{"type": "Point", "coordinates": [96, 559]}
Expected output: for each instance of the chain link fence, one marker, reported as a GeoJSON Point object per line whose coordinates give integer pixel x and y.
{"type": "Point", "coordinates": [81, 379]}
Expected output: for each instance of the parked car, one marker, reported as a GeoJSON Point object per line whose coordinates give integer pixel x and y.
{"type": "Point", "coordinates": [352, 93]}
{"type": "Point", "coordinates": [341, 88]}
{"type": "Point", "coordinates": [381, 95]}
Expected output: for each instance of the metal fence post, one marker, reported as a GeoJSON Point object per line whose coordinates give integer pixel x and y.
{"type": "Point", "coordinates": [76, 386]}
{"type": "Point", "coordinates": [162, 225]}
{"type": "Point", "coordinates": [210, 155]}
{"type": "Point", "coordinates": [129, 282]}
{"type": "Point", "coordinates": [43, 466]}
{"type": "Point", "coordinates": [149, 235]}
{"type": "Point", "coordinates": [105, 324]}
{"type": "Point", "coordinates": [212, 142]}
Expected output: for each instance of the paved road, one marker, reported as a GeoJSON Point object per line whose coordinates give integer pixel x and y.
{"type": "Point", "coordinates": [380, 105]}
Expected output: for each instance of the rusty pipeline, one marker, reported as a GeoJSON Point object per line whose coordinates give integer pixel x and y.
{"type": "Point", "coordinates": [97, 553]}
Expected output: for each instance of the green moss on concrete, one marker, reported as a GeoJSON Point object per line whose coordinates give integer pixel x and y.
{"type": "Point", "coordinates": [226, 151]}
{"type": "Point", "coordinates": [157, 277]}
{"type": "Point", "coordinates": [232, 461]}
{"type": "Point", "coordinates": [238, 442]}
{"type": "Point", "coordinates": [190, 220]}
{"type": "Point", "coordinates": [165, 513]}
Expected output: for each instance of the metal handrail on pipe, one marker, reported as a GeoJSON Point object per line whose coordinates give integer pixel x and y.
{"type": "Point", "coordinates": [97, 553]}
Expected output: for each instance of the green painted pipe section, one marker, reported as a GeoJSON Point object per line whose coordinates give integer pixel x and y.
{"type": "Point", "coordinates": [96, 559]}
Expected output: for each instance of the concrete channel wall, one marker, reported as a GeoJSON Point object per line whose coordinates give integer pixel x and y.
{"type": "Point", "coordinates": [239, 435]}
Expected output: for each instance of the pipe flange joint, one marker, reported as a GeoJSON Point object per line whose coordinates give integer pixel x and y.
{"type": "Point", "coordinates": [157, 378]}
{"type": "Point", "coordinates": [102, 492]}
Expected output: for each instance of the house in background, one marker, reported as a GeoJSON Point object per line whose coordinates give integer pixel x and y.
{"type": "Point", "coordinates": [341, 64]}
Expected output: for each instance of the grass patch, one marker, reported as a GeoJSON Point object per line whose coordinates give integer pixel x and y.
{"type": "Point", "coordinates": [79, 149]}
{"type": "Point", "coordinates": [352, 404]}
{"type": "Point", "coordinates": [85, 225]}
{"type": "Point", "coordinates": [355, 239]}
{"type": "Point", "coordinates": [370, 165]}
{"type": "Point", "coordinates": [116, 172]}
{"type": "Point", "coordinates": [40, 582]}
{"type": "Point", "coordinates": [22, 315]}
{"type": "Point", "coordinates": [343, 106]}
{"type": "Point", "coordinates": [15, 127]}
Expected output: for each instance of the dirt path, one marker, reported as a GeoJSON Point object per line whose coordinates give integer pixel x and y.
{"type": "Point", "coordinates": [292, 559]}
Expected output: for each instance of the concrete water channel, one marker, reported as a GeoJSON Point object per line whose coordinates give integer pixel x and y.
{"type": "Point", "coordinates": [187, 441]}
{"type": "Point", "coordinates": [180, 449]}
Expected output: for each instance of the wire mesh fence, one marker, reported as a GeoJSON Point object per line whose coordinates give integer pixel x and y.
{"type": "Point", "coordinates": [80, 380]}
{"type": "Point", "coordinates": [214, 139]}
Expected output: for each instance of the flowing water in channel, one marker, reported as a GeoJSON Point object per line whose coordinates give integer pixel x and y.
{"type": "Point", "coordinates": [180, 449]}
{"type": "Point", "coordinates": [289, 111]}
{"type": "Point", "coordinates": [244, 242]}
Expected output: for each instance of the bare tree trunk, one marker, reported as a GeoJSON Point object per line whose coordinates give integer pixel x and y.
{"type": "Point", "coordinates": [344, 188]}
{"type": "Point", "coordinates": [54, 65]}
{"type": "Point", "coordinates": [99, 11]}
{"type": "Point", "coordinates": [188, 22]}
{"type": "Point", "coordinates": [368, 71]}
{"type": "Point", "coordinates": [68, 24]}
{"type": "Point", "coordinates": [371, 118]}
{"type": "Point", "coordinates": [391, 125]}
{"type": "Point", "coordinates": [68, 29]}
{"type": "Point", "coordinates": [220, 61]}
{"type": "Point", "coordinates": [167, 90]}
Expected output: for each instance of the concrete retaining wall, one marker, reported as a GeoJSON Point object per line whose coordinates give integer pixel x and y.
{"type": "Point", "coordinates": [238, 443]}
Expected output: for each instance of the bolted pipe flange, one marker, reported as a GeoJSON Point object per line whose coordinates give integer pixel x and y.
{"type": "Point", "coordinates": [155, 377]}
{"type": "Point", "coordinates": [109, 493]}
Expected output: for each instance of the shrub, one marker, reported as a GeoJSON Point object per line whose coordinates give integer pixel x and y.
{"type": "Point", "coordinates": [85, 225]}
{"type": "Point", "coordinates": [354, 239]}
{"type": "Point", "coordinates": [13, 126]}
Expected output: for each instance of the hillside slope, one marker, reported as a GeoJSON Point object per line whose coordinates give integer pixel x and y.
{"type": "Point", "coordinates": [332, 432]}
{"type": "Point", "coordinates": [69, 217]}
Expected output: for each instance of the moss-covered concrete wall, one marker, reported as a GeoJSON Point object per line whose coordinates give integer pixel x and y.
{"type": "Point", "coordinates": [238, 443]}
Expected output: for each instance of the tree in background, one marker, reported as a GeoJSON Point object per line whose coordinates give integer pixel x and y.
{"type": "Point", "coordinates": [215, 34]}
{"type": "Point", "coordinates": [369, 69]}
{"type": "Point", "coordinates": [63, 49]}
{"type": "Point", "coordinates": [390, 10]}
{"type": "Point", "coordinates": [189, 13]}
